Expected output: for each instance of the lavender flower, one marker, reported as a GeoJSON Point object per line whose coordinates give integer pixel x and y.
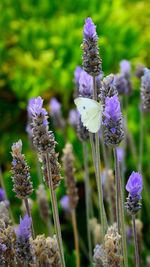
{"type": "Point", "coordinates": [121, 84]}
{"type": "Point", "coordinates": [134, 187]}
{"type": "Point", "coordinates": [139, 71]}
{"type": "Point", "coordinates": [55, 111]}
{"type": "Point", "coordinates": [77, 73]}
{"type": "Point", "coordinates": [20, 172]}
{"type": "Point", "coordinates": [55, 106]}
{"type": "Point", "coordinates": [91, 59]}
{"type": "Point", "coordinates": [85, 84]}
{"type": "Point", "coordinates": [125, 67]}
{"type": "Point", "coordinates": [2, 195]}
{"type": "Point", "coordinates": [65, 203]}
{"type": "Point", "coordinates": [108, 88]}
{"type": "Point", "coordinates": [23, 234]}
{"type": "Point", "coordinates": [112, 120]}
{"type": "Point", "coordinates": [73, 117]}
{"type": "Point", "coordinates": [89, 29]}
{"type": "Point", "coordinates": [43, 139]}
{"type": "Point", "coordinates": [145, 91]}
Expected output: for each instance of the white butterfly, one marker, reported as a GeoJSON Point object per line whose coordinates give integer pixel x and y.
{"type": "Point", "coordinates": [91, 113]}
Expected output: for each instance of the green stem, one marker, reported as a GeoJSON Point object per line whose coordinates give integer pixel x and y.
{"type": "Point", "coordinates": [135, 243]}
{"type": "Point", "coordinates": [55, 211]}
{"type": "Point", "coordinates": [141, 141]}
{"type": "Point", "coordinates": [106, 162]}
{"type": "Point", "coordinates": [121, 208]}
{"type": "Point", "coordinates": [29, 214]}
{"type": "Point", "coordinates": [87, 198]}
{"type": "Point", "coordinates": [76, 238]}
{"type": "Point", "coordinates": [98, 171]}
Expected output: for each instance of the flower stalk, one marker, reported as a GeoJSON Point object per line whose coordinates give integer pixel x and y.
{"type": "Point", "coordinates": [121, 230]}
{"type": "Point", "coordinates": [135, 242]}
{"type": "Point", "coordinates": [55, 211]}
{"type": "Point", "coordinates": [87, 198]}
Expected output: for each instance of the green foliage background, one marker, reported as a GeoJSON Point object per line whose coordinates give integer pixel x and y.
{"type": "Point", "coordinates": [39, 50]}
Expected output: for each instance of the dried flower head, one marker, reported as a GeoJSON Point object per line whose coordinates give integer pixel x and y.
{"type": "Point", "coordinates": [112, 121]}
{"type": "Point", "coordinates": [20, 172]}
{"type": "Point", "coordinates": [43, 203]}
{"type": "Point", "coordinates": [109, 254]}
{"type": "Point", "coordinates": [72, 190]}
{"type": "Point", "coordinates": [55, 169]}
{"type": "Point", "coordinates": [96, 231]}
{"type": "Point", "coordinates": [46, 252]}
{"type": "Point", "coordinates": [91, 58]}
{"type": "Point", "coordinates": [43, 139]}
{"type": "Point", "coordinates": [7, 246]}
{"type": "Point", "coordinates": [4, 213]}
{"type": "Point", "coordinates": [23, 245]}
{"type": "Point", "coordinates": [134, 187]}
{"type": "Point", "coordinates": [145, 91]}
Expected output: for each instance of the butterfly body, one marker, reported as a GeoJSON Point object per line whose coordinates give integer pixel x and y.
{"type": "Point", "coordinates": [91, 113]}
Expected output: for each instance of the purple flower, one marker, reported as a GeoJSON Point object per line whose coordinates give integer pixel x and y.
{"type": "Point", "coordinates": [65, 203]}
{"type": "Point", "coordinates": [30, 103]}
{"type": "Point", "coordinates": [112, 121]}
{"type": "Point", "coordinates": [73, 117]}
{"type": "Point", "coordinates": [77, 73]}
{"type": "Point", "coordinates": [36, 107]}
{"type": "Point", "coordinates": [23, 231]}
{"type": "Point", "coordinates": [125, 67]}
{"type": "Point", "coordinates": [112, 109]}
{"type": "Point", "coordinates": [145, 91]}
{"type": "Point", "coordinates": [55, 107]}
{"type": "Point", "coordinates": [121, 84]}
{"type": "Point", "coordinates": [120, 153]}
{"type": "Point", "coordinates": [2, 195]}
{"type": "Point", "coordinates": [134, 185]}
{"type": "Point", "coordinates": [89, 29]}
{"type": "Point", "coordinates": [85, 84]}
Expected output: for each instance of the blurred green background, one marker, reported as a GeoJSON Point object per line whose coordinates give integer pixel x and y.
{"type": "Point", "coordinates": [39, 50]}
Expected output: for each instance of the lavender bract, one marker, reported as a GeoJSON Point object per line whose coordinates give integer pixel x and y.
{"type": "Point", "coordinates": [112, 121]}
{"type": "Point", "coordinates": [55, 106]}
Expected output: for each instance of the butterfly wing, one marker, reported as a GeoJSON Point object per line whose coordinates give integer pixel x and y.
{"type": "Point", "coordinates": [90, 112]}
